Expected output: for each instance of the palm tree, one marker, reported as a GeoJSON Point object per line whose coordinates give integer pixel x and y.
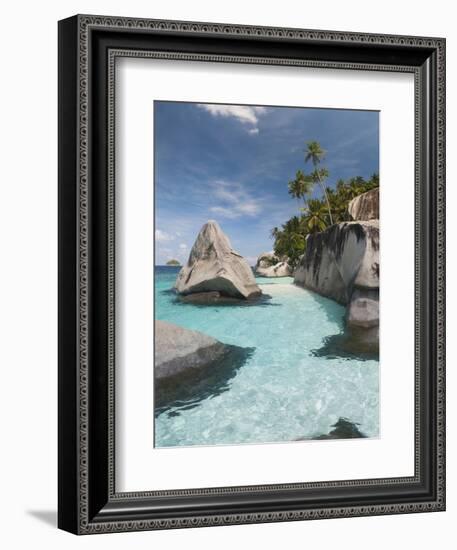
{"type": "Point", "coordinates": [374, 180]}
{"type": "Point", "coordinates": [301, 186]}
{"type": "Point", "coordinates": [294, 225]}
{"type": "Point", "coordinates": [315, 154]}
{"type": "Point", "coordinates": [314, 216]}
{"type": "Point", "coordinates": [290, 239]}
{"type": "Point", "coordinates": [275, 232]}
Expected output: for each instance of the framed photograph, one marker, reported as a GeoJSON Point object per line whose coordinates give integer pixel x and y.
{"type": "Point", "coordinates": [251, 274]}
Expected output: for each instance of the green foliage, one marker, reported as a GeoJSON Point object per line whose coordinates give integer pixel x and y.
{"type": "Point", "coordinates": [315, 216]}
{"type": "Point", "coordinates": [290, 239]}
{"type": "Point", "coordinates": [301, 186]}
{"type": "Point", "coordinates": [314, 152]}
{"type": "Point", "coordinates": [270, 262]}
{"type": "Point", "coordinates": [319, 174]}
{"type": "Point", "coordinates": [173, 262]}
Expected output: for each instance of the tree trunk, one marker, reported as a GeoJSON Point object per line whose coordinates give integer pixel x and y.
{"type": "Point", "coordinates": [326, 198]}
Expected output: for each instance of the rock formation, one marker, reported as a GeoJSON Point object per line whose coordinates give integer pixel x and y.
{"type": "Point", "coordinates": [214, 267]}
{"type": "Point", "coordinates": [208, 298]}
{"type": "Point", "coordinates": [281, 269]}
{"type": "Point", "coordinates": [269, 265]}
{"type": "Point", "coordinates": [178, 349]}
{"type": "Point", "coordinates": [366, 206]}
{"type": "Point", "coordinates": [267, 259]}
{"type": "Point", "coordinates": [190, 365]}
{"type": "Point", "coordinates": [343, 429]}
{"type": "Point", "coordinates": [342, 263]}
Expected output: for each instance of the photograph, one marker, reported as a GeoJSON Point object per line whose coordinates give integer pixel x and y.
{"type": "Point", "coordinates": [266, 277]}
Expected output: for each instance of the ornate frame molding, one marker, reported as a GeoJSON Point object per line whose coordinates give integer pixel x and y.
{"type": "Point", "coordinates": [77, 515]}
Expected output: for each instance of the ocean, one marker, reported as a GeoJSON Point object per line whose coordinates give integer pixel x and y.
{"type": "Point", "coordinates": [289, 387]}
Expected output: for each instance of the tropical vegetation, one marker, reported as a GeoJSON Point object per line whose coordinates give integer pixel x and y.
{"type": "Point", "coordinates": [316, 214]}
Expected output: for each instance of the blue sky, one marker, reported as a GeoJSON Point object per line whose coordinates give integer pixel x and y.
{"type": "Point", "coordinates": [232, 163]}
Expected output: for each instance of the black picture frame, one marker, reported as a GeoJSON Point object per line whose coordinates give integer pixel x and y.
{"type": "Point", "coordinates": [88, 502]}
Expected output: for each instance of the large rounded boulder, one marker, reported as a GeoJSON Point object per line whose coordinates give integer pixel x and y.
{"type": "Point", "coordinates": [365, 207]}
{"type": "Point", "coordinates": [178, 349]}
{"type": "Point", "coordinates": [269, 265]}
{"type": "Point", "coordinates": [190, 366]}
{"type": "Point", "coordinates": [213, 266]}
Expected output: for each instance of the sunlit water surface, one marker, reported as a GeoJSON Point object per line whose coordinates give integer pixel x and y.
{"type": "Point", "coordinates": [284, 391]}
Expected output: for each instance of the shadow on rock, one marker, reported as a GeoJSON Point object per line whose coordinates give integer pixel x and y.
{"type": "Point", "coordinates": [186, 390]}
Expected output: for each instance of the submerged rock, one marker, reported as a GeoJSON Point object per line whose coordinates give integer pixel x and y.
{"type": "Point", "coordinates": [343, 429]}
{"type": "Point", "coordinates": [269, 265]}
{"type": "Point", "coordinates": [209, 298]}
{"type": "Point", "coordinates": [366, 206]}
{"type": "Point", "coordinates": [342, 263]}
{"type": "Point", "coordinates": [353, 343]}
{"type": "Point", "coordinates": [213, 266]}
{"type": "Point", "coordinates": [217, 299]}
{"type": "Point", "coordinates": [190, 365]}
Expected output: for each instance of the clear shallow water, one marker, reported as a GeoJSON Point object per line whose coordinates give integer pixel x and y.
{"type": "Point", "coordinates": [283, 391]}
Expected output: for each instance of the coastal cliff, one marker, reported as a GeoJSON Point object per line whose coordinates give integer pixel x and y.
{"type": "Point", "coordinates": [342, 263]}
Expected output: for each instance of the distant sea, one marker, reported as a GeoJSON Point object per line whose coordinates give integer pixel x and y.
{"type": "Point", "coordinates": [286, 389]}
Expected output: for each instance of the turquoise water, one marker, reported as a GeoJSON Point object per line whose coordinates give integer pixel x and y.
{"type": "Point", "coordinates": [284, 390]}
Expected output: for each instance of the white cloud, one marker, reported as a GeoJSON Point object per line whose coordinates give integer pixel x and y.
{"type": "Point", "coordinates": [249, 207]}
{"type": "Point", "coordinates": [162, 236]}
{"type": "Point", "coordinates": [224, 212]}
{"type": "Point", "coordinates": [226, 192]}
{"type": "Point", "coordinates": [234, 201]}
{"type": "Point", "coordinates": [243, 113]}
{"type": "Point", "coordinates": [183, 246]}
